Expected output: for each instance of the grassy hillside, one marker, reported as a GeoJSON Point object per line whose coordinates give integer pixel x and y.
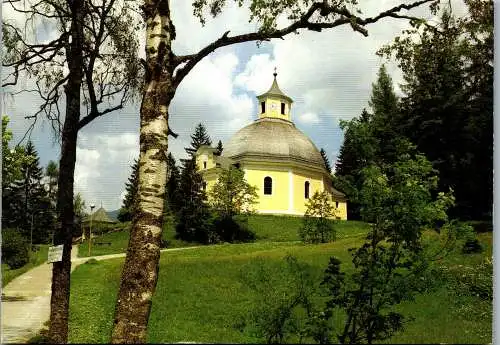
{"type": "Point", "coordinates": [202, 295]}
{"type": "Point", "coordinates": [268, 229]}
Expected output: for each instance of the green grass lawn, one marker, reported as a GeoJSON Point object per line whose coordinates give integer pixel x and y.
{"type": "Point", "coordinates": [267, 228]}
{"type": "Point", "coordinates": [202, 296]}
{"type": "Point", "coordinates": [36, 258]}
{"type": "Point", "coordinates": [119, 241]}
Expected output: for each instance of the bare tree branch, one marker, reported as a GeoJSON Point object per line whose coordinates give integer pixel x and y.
{"type": "Point", "coordinates": [322, 8]}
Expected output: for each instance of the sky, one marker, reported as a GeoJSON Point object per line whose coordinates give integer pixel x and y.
{"type": "Point", "coordinates": [328, 75]}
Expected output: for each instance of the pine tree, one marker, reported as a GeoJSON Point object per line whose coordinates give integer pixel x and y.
{"type": "Point", "coordinates": [31, 204]}
{"type": "Point", "coordinates": [373, 138]}
{"type": "Point", "coordinates": [172, 187]}
{"type": "Point", "coordinates": [448, 103]}
{"type": "Point", "coordinates": [12, 160]}
{"type": "Point", "coordinates": [127, 211]}
{"type": "Point", "coordinates": [198, 138]}
{"type": "Point", "coordinates": [194, 214]}
{"type": "Point", "coordinates": [219, 148]}
{"type": "Point", "coordinates": [386, 115]}
{"type": "Point", "coordinates": [326, 160]}
{"type": "Point", "coordinates": [52, 173]}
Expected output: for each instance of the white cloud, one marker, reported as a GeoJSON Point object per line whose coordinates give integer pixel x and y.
{"type": "Point", "coordinates": [309, 118]}
{"type": "Point", "coordinates": [103, 166]}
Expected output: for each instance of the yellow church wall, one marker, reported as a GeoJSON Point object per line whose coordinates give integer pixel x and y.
{"type": "Point", "coordinates": [279, 199]}
{"type": "Point", "coordinates": [341, 209]}
{"type": "Point", "coordinates": [299, 180]}
{"type": "Point", "coordinates": [284, 200]}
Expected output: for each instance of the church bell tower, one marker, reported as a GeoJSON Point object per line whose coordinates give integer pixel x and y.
{"type": "Point", "coordinates": [274, 103]}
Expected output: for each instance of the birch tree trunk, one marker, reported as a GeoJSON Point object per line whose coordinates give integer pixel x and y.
{"type": "Point", "coordinates": [59, 301]}
{"type": "Point", "coordinates": [140, 272]}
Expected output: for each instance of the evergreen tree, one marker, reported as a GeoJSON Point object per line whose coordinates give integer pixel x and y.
{"type": "Point", "coordinates": [448, 102]}
{"type": "Point", "coordinates": [172, 187]}
{"type": "Point", "coordinates": [127, 211]}
{"type": "Point", "coordinates": [31, 205]}
{"type": "Point", "coordinates": [326, 160]}
{"type": "Point", "coordinates": [385, 110]}
{"type": "Point", "coordinates": [12, 160]}
{"type": "Point", "coordinates": [198, 138]}
{"type": "Point", "coordinates": [194, 219]}
{"type": "Point", "coordinates": [219, 148]}
{"type": "Point", "coordinates": [52, 173]}
{"type": "Point", "coordinates": [194, 222]}
{"type": "Point", "coordinates": [371, 139]}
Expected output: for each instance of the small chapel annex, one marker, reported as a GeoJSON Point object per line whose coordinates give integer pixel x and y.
{"type": "Point", "coordinates": [276, 157]}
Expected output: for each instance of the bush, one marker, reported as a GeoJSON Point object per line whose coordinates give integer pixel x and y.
{"type": "Point", "coordinates": [481, 226]}
{"type": "Point", "coordinates": [472, 246]}
{"type": "Point", "coordinates": [317, 227]}
{"type": "Point", "coordinates": [283, 307]}
{"type": "Point", "coordinates": [195, 227]}
{"type": "Point", "coordinates": [232, 229]}
{"type": "Point", "coordinates": [317, 230]}
{"type": "Point", "coordinates": [473, 281]}
{"type": "Point", "coordinates": [15, 248]}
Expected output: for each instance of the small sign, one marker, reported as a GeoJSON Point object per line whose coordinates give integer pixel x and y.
{"type": "Point", "coordinates": [55, 253]}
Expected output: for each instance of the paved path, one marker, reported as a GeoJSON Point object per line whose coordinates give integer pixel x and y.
{"type": "Point", "coordinates": [26, 299]}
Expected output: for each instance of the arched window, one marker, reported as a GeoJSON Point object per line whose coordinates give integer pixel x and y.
{"type": "Point", "coordinates": [268, 185]}
{"type": "Point", "coordinates": [306, 190]}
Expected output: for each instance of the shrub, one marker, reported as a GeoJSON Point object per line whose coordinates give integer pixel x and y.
{"type": "Point", "coordinates": [15, 248]}
{"type": "Point", "coordinates": [284, 300]}
{"type": "Point", "coordinates": [472, 246]}
{"type": "Point", "coordinates": [476, 281]}
{"type": "Point", "coordinates": [232, 229]}
{"type": "Point", "coordinates": [481, 226]}
{"type": "Point", "coordinates": [317, 226]}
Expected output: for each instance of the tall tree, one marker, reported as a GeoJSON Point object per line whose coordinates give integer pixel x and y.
{"type": "Point", "coordinates": [94, 51]}
{"type": "Point", "coordinates": [399, 204]}
{"type": "Point", "coordinates": [52, 172]}
{"type": "Point", "coordinates": [128, 210]}
{"type": "Point", "coordinates": [385, 109]}
{"type": "Point", "coordinates": [198, 138]}
{"type": "Point", "coordinates": [140, 270]}
{"type": "Point", "coordinates": [219, 148]}
{"type": "Point", "coordinates": [172, 187]}
{"type": "Point", "coordinates": [51, 175]}
{"type": "Point", "coordinates": [447, 107]}
{"type": "Point", "coordinates": [328, 167]}
{"type": "Point", "coordinates": [32, 211]}
{"type": "Point", "coordinates": [194, 223]}
{"type": "Point", "coordinates": [12, 160]}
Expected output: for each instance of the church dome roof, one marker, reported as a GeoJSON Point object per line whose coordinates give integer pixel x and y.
{"type": "Point", "coordinates": [276, 139]}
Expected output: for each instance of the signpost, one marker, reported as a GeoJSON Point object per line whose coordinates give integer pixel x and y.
{"type": "Point", "coordinates": [55, 253]}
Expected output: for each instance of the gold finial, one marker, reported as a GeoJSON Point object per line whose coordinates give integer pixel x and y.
{"type": "Point", "coordinates": [275, 73]}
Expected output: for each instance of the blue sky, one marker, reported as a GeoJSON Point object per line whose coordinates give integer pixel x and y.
{"type": "Point", "coordinates": [327, 74]}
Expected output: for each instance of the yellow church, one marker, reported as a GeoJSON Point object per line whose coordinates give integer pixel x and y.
{"type": "Point", "coordinates": [276, 157]}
